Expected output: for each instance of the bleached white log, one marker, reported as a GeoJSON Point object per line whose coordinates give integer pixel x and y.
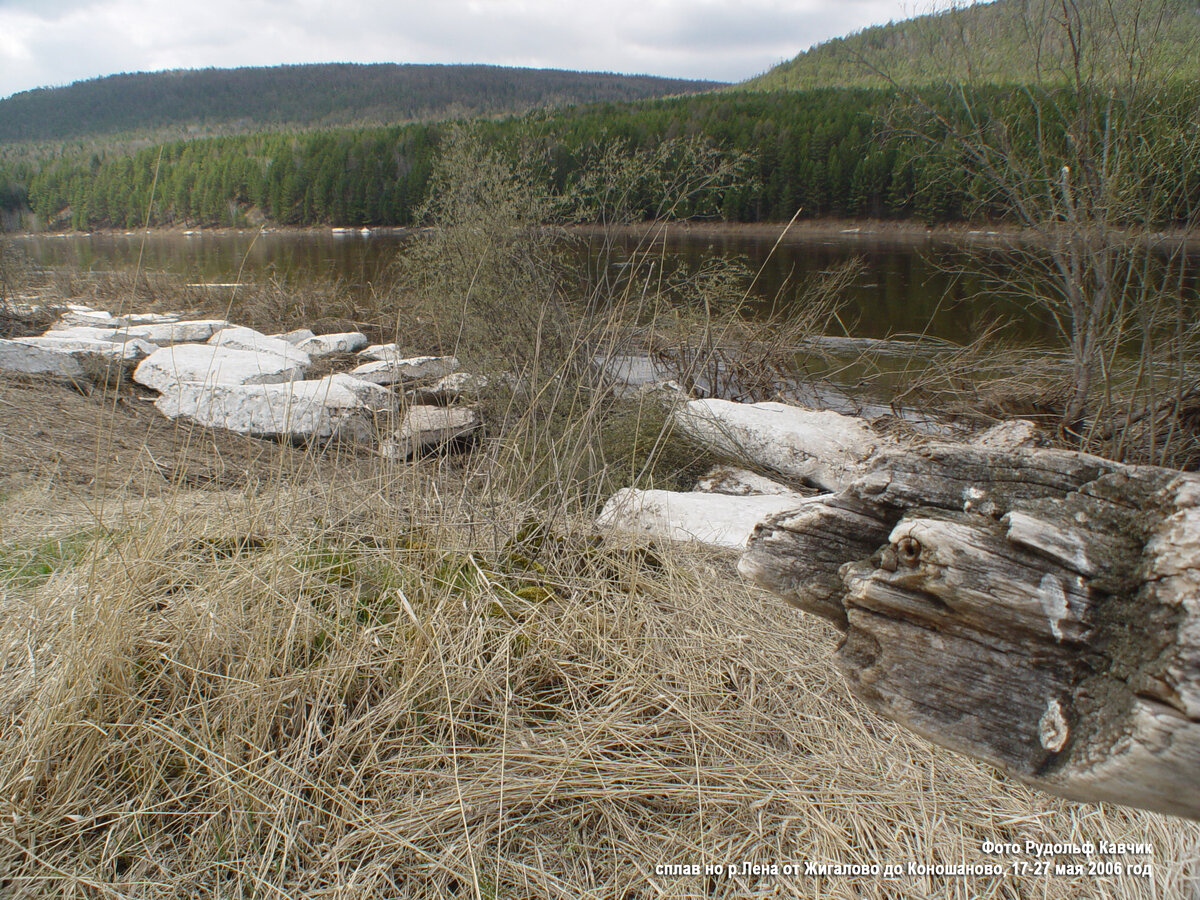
{"type": "Point", "coordinates": [295, 337]}
{"type": "Point", "coordinates": [238, 338]}
{"type": "Point", "coordinates": [819, 447]}
{"type": "Point", "coordinates": [107, 351]}
{"type": "Point", "coordinates": [149, 318]}
{"type": "Point", "coordinates": [177, 332]}
{"type": "Point", "coordinates": [90, 333]}
{"type": "Point", "coordinates": [21, 358]}
{"type": "Point", "coordinates": [160, 333]}
{"type": "Point", "coordinates": [319, 345]}
{"type": "Point", "coordinates": [208, 364]}
{"type": "Point", "coordinates": [378, 352]}
{"type": "Point", "coordinates": [334, 406]}
{"type": "Point", "coordinates": [79, 315]}
{"type": "Point", "coordinates": [718, 520]}
{"type": "Point", "coordinates": [426, 428]}
{"type": "Point", "coordinates": [452, 387]}
{"type": "Point", "coordinates": [741, 483]}
{"type": "Point", "coordinates": [416, 368]}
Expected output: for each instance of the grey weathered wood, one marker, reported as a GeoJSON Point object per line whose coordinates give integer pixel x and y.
{"type": "Point", "coordinates": [1036, 609]}
{"type": "Point", "coordinates": [818, 447]}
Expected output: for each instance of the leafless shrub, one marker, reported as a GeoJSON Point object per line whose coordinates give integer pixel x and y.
{"type": "Point", "coordinates": [1090, 159]}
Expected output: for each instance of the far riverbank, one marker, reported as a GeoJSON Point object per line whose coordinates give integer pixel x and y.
{"type": "Point", "coordinates": [799, 231]}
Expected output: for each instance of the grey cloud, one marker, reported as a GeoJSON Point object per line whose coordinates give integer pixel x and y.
{"type": "Point", "coordinates": [765, 26]}
{"type": "Point", "coordinates": [47, 9]}
{"type": "Point", "coordinates": [58, 41]}
{"type": "Point", "coordinates": [711, 28]}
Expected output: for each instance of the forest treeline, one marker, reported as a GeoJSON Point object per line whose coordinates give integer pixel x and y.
{"type": "Point", "coordinates": [201, 102]}
{"type": "Point", "coordinates": [826, 153]}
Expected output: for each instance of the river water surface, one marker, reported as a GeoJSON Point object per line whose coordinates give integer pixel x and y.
{"type": "Point", "coordinates": [907, 285]}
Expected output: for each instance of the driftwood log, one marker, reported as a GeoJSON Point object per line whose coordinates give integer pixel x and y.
{"type": "Point", "coordinates": [1036, 609]}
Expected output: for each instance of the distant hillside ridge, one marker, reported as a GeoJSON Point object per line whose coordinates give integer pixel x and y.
{"type": "Point", "coordinates": [1003, 42]}
{"type": "Point", "coordinates": [335, 94]}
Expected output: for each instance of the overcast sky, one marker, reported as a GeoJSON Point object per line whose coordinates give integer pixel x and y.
{"type": "Point", "coordinates": [55, 42]}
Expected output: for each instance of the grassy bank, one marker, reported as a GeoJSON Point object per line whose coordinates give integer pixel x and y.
{"type": "Point", "coordinates": [341, 676]}
{"type": "Point", "coordinates": [242, 668]}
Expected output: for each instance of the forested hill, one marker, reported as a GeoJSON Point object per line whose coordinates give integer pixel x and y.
{"type": "Point", "coordinates": [1005, 42]}
{"type": "Point", "coordinates": [818, 152]}
{"type": "Point", "coordinates": [230, 101]}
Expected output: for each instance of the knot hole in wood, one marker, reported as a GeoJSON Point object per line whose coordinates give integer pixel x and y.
{"type": "Point", "coordinates": [908, 551]}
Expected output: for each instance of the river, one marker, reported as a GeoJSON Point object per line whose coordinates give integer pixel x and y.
{"type": "Point", "coordinates": [908, 284]}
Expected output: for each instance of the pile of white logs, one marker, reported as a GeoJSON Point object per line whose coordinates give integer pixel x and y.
{"type": "Point", "coordinates": [1035, 608]}
{"type": "Point", "coordinates": [221, 375]}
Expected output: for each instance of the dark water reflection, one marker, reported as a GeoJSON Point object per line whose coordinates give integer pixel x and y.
{"type": "Point", "coordinates": [907, 286]}
{"type": "Point", "coordinates": [221, 256]}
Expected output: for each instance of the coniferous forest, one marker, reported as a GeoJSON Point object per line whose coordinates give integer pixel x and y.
{"type": "Point", "coordinates": [825, 153]}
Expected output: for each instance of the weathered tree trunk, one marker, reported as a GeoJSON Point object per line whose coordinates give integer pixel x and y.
{"type": "Point", "coordinates": [1036, 609]}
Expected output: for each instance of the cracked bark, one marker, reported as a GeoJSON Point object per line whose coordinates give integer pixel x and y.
{"type": "Point", "coordinates": [1036, 609]}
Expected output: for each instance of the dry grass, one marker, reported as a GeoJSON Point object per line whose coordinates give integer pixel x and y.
{"type": "Point", "coordinates": [359, 678]}
{"type": "Point", "coordinates": [354, 678]}
{"type": "Point", "coordinates": [381, 687]}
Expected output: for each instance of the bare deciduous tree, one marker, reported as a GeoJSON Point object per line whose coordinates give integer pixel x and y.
{"type": "Point", "coordinates": [1097, 159]}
